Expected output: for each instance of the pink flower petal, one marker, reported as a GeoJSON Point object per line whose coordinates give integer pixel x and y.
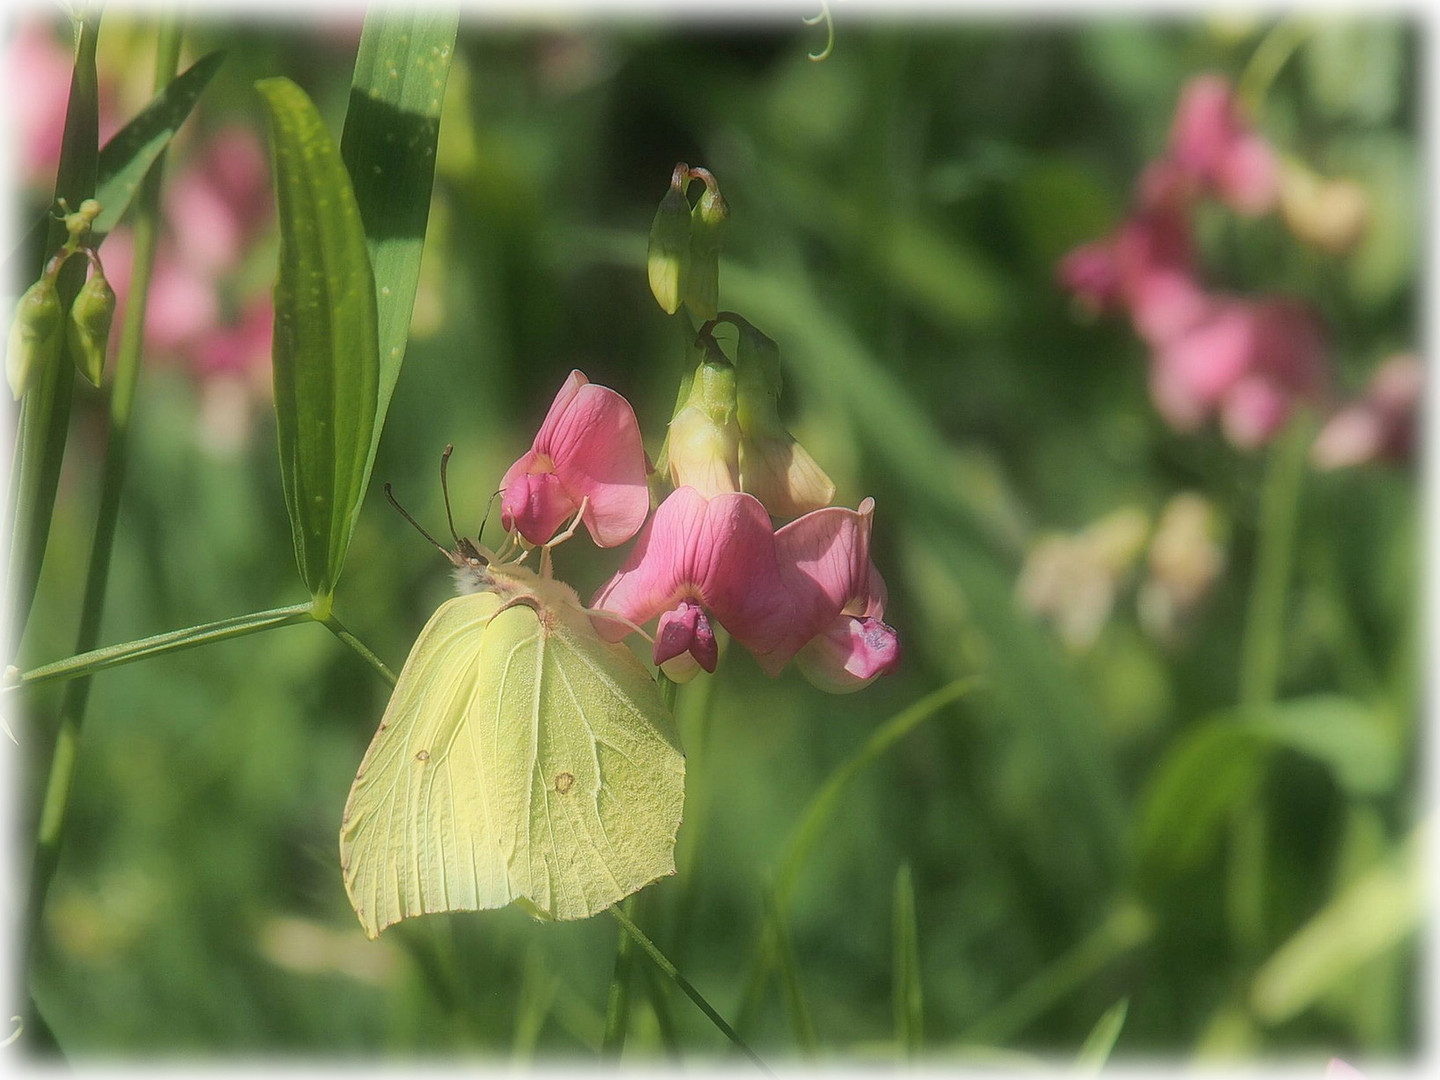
{"type": "Point", "coordinates": [595, 444]}
{"type": "Point", "coordinates": [718, 552]}
{"type": "Point", "coordinates": [849, 654]}
{"type": "Point", "coordinates": [1092, 274]}
{"type": "Point", "coordinates": [1254, 411]}
{"type": "Point", "coordinates": [1247, 178]}
{"type": "Point", "coordinates": [825, 557]}
{"type": "Point", "coordinates": [532, 499]}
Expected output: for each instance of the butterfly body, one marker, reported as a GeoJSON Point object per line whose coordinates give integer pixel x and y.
{"type": "Point", "coordinates": [521, 759]}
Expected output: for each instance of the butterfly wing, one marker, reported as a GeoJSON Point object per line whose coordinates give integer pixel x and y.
{"type": "Point", "coordinates": [520, 757]}
{"type": "Point", "coordinates": [605, 787]}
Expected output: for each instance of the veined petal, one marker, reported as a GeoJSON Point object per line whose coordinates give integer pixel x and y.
{"type": "Point", "coordinates": [781, 474]}
{"type": "Point", "coordinates": [719, 552]}
{"type": "Point", "coordinates": [591, 435]}
{"type": "Point", "coordinates": [825, 557]}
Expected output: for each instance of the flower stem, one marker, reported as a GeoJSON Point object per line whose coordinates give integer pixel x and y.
{"type": "Point", "coordinates": [122, 395]}
{"type": "Point", "coordinates": [336, 627]}
{"type": "Point", "coordinates": [669, 970]}
{"type": "Point", "coordinates": [617, 1002]}
{"type": "Point", "coordinates": [1270, 55]}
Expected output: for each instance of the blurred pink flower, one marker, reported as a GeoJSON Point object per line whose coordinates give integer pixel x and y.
{"type": "Point", "coordinates": [1211, 141]}
{"type": "Point", "coordinates": [1250, 360]}
{"type": "Point", "coordinates": [839, 599]}
{"type": "Point", "coordinates": [219, 204]}
{"type": "Point", "coordinates": [1380, 424]}
{"type": "Point", "coordinates": [716, 555]}
{"type": "Point", "coordinates": [587, 448]}
{"type": "Point", "coordinates": [1091, 273]}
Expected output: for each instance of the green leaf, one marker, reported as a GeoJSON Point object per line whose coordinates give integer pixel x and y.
{"type": "Point", "coordinates": [391, 130]}
{"type": "Point", "coordinates": [128, 155]}
{"type": "Point", "coordinates": [801, 1022]}
{"type": "Point", "coordinates": [325, 354]}
{"type": "Point", "coordinates": [1344, 735]}
{"type": "Point", "coordinates": [133, 149]}
{"type": "Point", "coordinates": [1101, 1040]}
{"type": "Point", "coordinates": [905, 988]}
{"type": "Point", "coordinates": [1366, 919]}
{"type": "Point", "coordinates": [1206, 773]}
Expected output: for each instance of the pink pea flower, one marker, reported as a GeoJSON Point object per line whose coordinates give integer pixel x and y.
{"type": "Point", "coordinates": [1211, 141]}
{"type": "Point", "coordinates": [699, 559]}
{"type": "Point", "coordinates": [219, 204]}
{"type": "Point", "coordinates": [588, 448]}
{"type": "Point", "coordinates": [839, 599]}
{"type": "Point", "coordinates": [1091, 273]}
{"type": "Point", "coordinates": [1249, 361]}
{"type": "Point", "coordinates": [1380, 425]}
{"type": "Point", "coordinates": [1342, 1070]}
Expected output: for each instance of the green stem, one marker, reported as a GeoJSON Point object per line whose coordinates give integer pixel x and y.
{"type": "Point", "coordinates": [668, 969]}
{"type": "Point", "coordinates": [336, 627]}
{"type": "Point", "coordinates": [128, 652]}
{"type": "Point", "coordinates": [45, 410]}
{"type": "Point", "coordinates": [1275, 48]}
{"type": "Point", "coordinates": [617, 1002]}
{"type": "Point", "coordinates": [1264, 635]}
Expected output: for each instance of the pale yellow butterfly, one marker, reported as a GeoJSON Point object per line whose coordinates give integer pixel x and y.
{"type": "Point", "coordinates": [521, 759]}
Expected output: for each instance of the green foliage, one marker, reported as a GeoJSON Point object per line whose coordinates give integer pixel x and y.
{"type": "Point", "coordinates": [325, 353]}
{"type": "Point", "coordinates": [392, 127]}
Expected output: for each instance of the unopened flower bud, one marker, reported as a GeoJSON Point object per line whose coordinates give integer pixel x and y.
{"type": "Point", "coordinates": [89, 329]}
{"type": "Point", "coordinates": [669, 255]}
{"type": "Point", "coordinates": [702, 278]}
{"type": "Point", "coordinates": [35, 336]}
{"type": "Point", "coordinates": [774, 468]}
{"type": "Point", "coordinates": [1331, 215]}
{"type": "Point", "coordinates": [704, 440]}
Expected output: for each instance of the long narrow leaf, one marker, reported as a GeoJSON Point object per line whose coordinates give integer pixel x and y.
{"type": "Point", "coordinates": [45, 410]}
{"type": "Point", "coordinates": [908, 1000]}
{"type": "Point", "coordinates": [125, 159]}
{"type": "Point", "coordinates": [133, 149]}
{"type": "Point", "coordinates": [325, 353]}
{"type": "Point", "coordinates": [800, 1019]}
{"type": "Point", "coordinates": [392, 127]}
{"type": "Point", "coordinates": [1101, 1040]}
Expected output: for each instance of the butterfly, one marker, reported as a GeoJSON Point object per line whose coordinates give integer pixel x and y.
{"type": "Point", "coordinates": [521, 758]}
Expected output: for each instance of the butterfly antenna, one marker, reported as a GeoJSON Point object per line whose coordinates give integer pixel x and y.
{"type": "Point", "coordinates": [481, 534]}
{"type": "Point", "coordinates": [418, 527]}
{"type": "Point", "coordinates": [445, 491]}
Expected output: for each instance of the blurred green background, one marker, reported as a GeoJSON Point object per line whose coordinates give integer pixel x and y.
{"type": "Point", "coordinates": [1081, 828]}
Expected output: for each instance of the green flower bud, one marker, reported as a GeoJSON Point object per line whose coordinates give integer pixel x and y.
{"type": "Point", "coordinates": [89, 330]}
{"type": "Point", "coordinates": [669, 256]}
{"type": "Point", "coordinates": [702, 281]}
{"type": "Point", "coordinates": [36, 335]}
{"type": "Point", "coordinates": [704, 439]}
{"type": "Point", "coordinates": [774, 468]}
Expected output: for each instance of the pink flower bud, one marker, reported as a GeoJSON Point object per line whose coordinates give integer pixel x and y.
{"type": "Point", "coordinates": [685, 629]}
{"type": "Point", "coordinates": [588, 448]}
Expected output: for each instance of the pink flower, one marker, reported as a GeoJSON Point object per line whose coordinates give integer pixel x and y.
{"type": "Point", "coordinates": [1213, 143]}
{"type": "Point", "coordinates": [698, 559]}
{"type": "Point", "coordinates": [1250, 360]}
{"type": "Point", "coordinates": [219, 204]}
{"type": "Point", "coordinates": [1380, 425]}
{"type": "Point", "coordinates": [1091, 273]}
{"type": "Point", "coordinates": [839, 599]}
{"type": "Point", "coordinates": [588, 448]}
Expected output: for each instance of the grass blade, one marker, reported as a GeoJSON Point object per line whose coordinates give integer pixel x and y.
{"type": "Point", "coordinates": [669, 970]}
{"type": "Point", "coordinates": [392, 127]}
{"type": "Point", "coordinates": [909, 1003]}
{"type": "Point", "coordinates": [1101, 1040]}
{"type": "Point", "coordinates": [325, 352]}
{"type": "Point", "coordinates": [789, 971]}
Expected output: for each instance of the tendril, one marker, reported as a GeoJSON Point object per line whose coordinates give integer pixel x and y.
{"type": "Point", "coordinates": [815, 20]}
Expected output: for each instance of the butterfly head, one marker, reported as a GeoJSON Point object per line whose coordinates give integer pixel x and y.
{"type": "Point", "coordinates": [472, 560]}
